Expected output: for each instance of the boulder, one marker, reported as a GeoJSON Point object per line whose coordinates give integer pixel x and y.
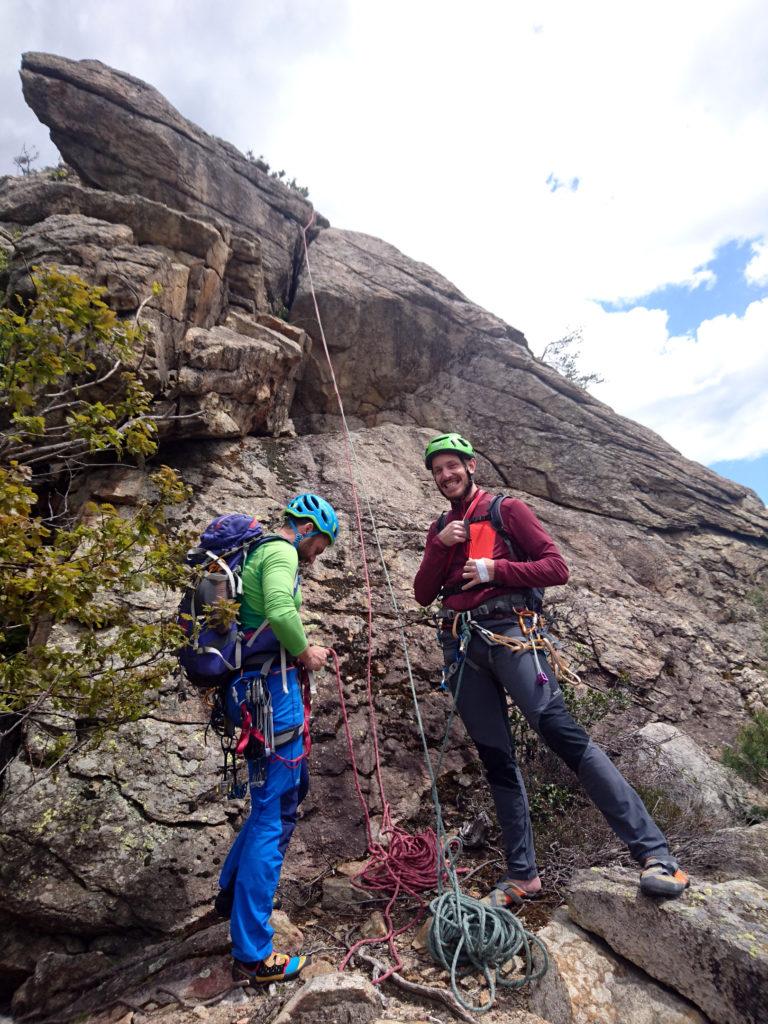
{"type": "Point", "coordinates": [733, 853]}
{"type": "Point", "coordinates": [340, 893]}
{"type": "Point", "coordinates": [114, 844]}
{"type": "Point", "coordinates": [155, 152]}
{"type": "Point", "coordinates": [691, 778]}
{"type": "Point", "coordinates": [711, 945]}
{"type": "Point", "coordinates": [90, 985]}
{"type": "Point", "coordinates": [332, 999]}
{"type": "Point", "coordinates": [238, 377]}
{"type": "Point", "coordinates": [586, 982]}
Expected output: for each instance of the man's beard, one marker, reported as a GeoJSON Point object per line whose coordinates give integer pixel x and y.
{"type": "Point", "coordinates": [464, 492]}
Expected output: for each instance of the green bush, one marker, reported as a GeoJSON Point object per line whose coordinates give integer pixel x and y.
{"type": "Point", "coordinates": [749, 755]}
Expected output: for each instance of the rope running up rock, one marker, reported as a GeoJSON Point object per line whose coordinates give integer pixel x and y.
{"type": "Point", "coordinates": [464, 932]}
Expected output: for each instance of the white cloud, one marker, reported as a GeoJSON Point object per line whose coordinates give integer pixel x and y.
{"type": "Point", "coordinates": [705, 394]}
{"type": "Point", "coordinates": [756, 271]}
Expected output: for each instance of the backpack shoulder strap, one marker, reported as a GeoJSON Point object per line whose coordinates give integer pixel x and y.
{"type": "Point", "coordinates": [494, 514]}
{"type": "Point", "coordinates": [441, 521]}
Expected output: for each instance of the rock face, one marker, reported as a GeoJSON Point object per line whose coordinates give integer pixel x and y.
{"type": "Point", "coordinates": [408, 346]}
{"type": "Point", "coordinates": [711, 945]}
{"type": "Point", "coordinates": [155, 152]}
{"type": "Point", "coordinates": [638, 523]}
{"type": "Point", "coordinates": [587, 983]}
{"type": "Point", "coordinates": [133, 836]}
{"type": "Point", "coordinates": [392, 325]}
{"type": "Point", "coordinates": [668, 560]}
{"type": "Point", "coordinates": [222, 370]}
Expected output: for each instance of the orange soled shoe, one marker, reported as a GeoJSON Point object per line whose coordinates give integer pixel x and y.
{"type": "Point", "coordinates": [508, 895]}
{"type": "Point", "coordinates": [275, 967]}
{"type": "Point", "coordinates": [661, 876]}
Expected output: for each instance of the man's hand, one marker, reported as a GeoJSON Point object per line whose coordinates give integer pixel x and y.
{"type": "Point", "coordinates": [453, 533]}
{"type": "Point", "coordinates": [478, 570]}
{"type": "Point", "coordinates": [314, 658]}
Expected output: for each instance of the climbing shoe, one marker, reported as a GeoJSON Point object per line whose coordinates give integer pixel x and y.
{"type": "Point", "coordinates": [663, 877]}
{"type": "Point", "coordinates": [226, 897]}
{"type": "Point", "coordinates": [508, 895]}
{"type": "Point", "coordinates": [275, 967]}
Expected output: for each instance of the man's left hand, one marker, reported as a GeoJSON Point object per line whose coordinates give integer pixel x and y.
{"type": "Point", "coordinates": [478, 570]}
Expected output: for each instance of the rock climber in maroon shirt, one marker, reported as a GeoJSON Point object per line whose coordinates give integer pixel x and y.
{"type": "Point", "coordinates": [492, 558]}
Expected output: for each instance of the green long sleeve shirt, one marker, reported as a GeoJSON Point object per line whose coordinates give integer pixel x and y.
{"type": "Point", "coordinates": [269, 578]}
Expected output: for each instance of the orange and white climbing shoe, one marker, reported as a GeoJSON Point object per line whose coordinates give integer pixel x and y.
{"type": "Point", "coordinates": [509, 895]}
{"type": "Point", "coordinates": [662, 876]}
{"type": "Point", "coordinates": [275, 967]}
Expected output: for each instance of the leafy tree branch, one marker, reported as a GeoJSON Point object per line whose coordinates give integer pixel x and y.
{"type": "Point", "coordinates": [72, 648]}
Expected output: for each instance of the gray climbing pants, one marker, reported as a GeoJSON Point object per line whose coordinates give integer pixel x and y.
{"type": "Point", "coordinates": [490, 672]}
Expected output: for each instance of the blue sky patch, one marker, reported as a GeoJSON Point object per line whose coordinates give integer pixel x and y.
{"type": "Point", "coordinates": [688, 306]}
{"type": "Point", "coordinates": [555, 183]}
{"type": "Point", "coordinates": [750, 472]}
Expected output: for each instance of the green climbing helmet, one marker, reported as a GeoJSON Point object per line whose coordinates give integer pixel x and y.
{"type": "Point", "coordinates": [448, 443]}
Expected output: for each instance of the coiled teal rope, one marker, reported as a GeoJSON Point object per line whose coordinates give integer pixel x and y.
{"type": "Point", "coordinates": [466, 933]}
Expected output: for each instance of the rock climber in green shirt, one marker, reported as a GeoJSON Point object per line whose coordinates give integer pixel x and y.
{"type": "Point", "coordinates": [269, 616]}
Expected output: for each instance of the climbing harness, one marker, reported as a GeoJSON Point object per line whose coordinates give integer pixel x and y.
{"type": "Point", "coordinates": [257, 743]}
{"type": "Point", "coordinates": [534, 639]}
{"type": "Point", "coordinates": [463, 931]}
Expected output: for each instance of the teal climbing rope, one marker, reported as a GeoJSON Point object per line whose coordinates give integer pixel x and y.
{"type": "Point", "coordinates": [465, 933]}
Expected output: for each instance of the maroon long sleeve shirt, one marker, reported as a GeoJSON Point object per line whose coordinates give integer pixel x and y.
{"type": "Point", "coordinates": [442, 565]}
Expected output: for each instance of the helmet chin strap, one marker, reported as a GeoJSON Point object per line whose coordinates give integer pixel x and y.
{"type": "Point", "coordinates": [298, 536]}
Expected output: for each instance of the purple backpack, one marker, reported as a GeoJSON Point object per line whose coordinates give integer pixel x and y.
{"type": "Point", "coordinates": [211, 655]}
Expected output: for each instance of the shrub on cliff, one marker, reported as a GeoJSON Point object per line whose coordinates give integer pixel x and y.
{"type": "Point", "coordinates": [73, 657]}
{"type": "Point", "coordinates": [749, 755]}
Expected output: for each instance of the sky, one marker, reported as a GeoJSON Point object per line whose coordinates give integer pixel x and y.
{"type": "Point", "coordinates": [596, 166]}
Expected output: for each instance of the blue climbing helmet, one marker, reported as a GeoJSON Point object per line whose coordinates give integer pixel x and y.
{"type": "Point", "coordinates": [317, 510]}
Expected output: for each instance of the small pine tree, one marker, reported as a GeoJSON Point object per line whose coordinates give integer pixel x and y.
{"type": "Point", "coordinates": [563, 355]}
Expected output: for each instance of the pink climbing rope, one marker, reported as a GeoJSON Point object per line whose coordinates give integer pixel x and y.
{"type": "Point", "coordinates": [406, 864]}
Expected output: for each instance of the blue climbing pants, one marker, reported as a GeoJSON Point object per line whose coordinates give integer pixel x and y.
{"type": "Point", "coordinates": [252, 867]}
{"type": "Point", "coordinates": [490, 674]}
